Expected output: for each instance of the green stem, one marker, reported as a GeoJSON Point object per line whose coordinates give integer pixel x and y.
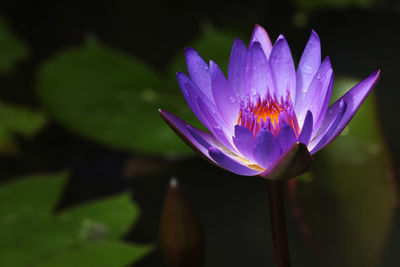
{"type": "Point", "coordinates": [278, 223]}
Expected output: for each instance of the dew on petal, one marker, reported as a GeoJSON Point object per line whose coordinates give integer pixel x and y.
{"type": "Point", "coordinates": [307, 69]}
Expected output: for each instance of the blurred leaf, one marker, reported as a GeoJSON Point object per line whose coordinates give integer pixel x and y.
{"type": "Point", "coordinates": [97, 254]}
{"type": "Point", "coordinates": [12, 50]}
{"type": "Point", "coordinates": [31, 235]}
{"type": "Point", "coordinates": [110, 97]}
{"type": "Point", "coordinates": [17, 120]}
{"type": "Point", "coordinates": [310, 5]}
{"type": "Point", "coordinates": [92, 222]}
{"type": "Point", "coordinates": [347, 208]}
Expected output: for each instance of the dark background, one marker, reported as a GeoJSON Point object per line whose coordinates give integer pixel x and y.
{"type": "Point", "coordinates": [233, 210]}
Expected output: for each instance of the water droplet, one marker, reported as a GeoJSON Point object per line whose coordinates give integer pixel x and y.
{"type": "Point", "coordinates": [207, 67]}
{"type": "Point", "coordinates": [319, 76]}
{"type": "Point", "coordinates": [253, 91]}
{"type": "Point", "coordinates": [307, 69]}
{"type": "Point", "coordinates": [232, 99]}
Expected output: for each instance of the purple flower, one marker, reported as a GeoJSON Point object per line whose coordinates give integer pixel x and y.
{"type": "Point", "coordinates": [267, 118]}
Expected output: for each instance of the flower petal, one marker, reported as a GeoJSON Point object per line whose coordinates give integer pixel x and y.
{"type": "Point", "coordinates": [283, 68]}
{"type": "Point", "coordinates": [244, 141]}
{"type": "Point", "coordinates": [267, 149]}
{"type": "Point", "coordinates": [314, 98]}
{"type": "Point", "coordinates": [307, 129]}
{"type": "Point", "coordinates": [225, 100]}
{"type": "Point", "coordinates": [286, 137]}
{"type": "Point", "coordinates": [294, 162]}
{"type": "Point", "coordinates": [237, 64]}
{"type": "Point", "coordinates": [260, 35]}
{"type": "Point", "coordinates": [180, 128]}
{"type": "Point", "coordinates": [353, 99]}
{"type": "Point", "coordinates": [230, 164]}
{"type": "Point", "coordinates": [324, 107]}
{"type": "Point", "coordinates": [258, 74]}
{"type": "Point", "coordinates": [191, 94]}
{"type": "Point", "coordinates": [332, 123]}
{"type": "Point", "coordinates": [217, 126]}
{"type": "Point", "coordinates": [308, 66]}
{"type": "Point", "coordinates": [199, 72]}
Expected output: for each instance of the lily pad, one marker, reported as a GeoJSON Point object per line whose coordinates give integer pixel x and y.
{"type": "Point", "coordinates": [17, 120]}
{"type": "Point", "coordinates": [12, 49]}
{"type": "Point", "coordinates": [110, 97]}
{"type": "Point", "coordinates": [32, 235]}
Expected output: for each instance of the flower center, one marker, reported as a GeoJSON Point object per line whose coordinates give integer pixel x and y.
{"type": "Point", "coordinates": [269, 113]}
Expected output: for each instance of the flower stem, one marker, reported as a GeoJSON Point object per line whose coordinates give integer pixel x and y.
{"type": "Point", "coordinates": [278, 223]}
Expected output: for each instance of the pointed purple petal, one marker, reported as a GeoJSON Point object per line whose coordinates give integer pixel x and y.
{"type": "Point", "coordinates": [330, 130]}
{"type": "Point", "coordinates": [217, 126]}
{"type": "Point", "coordinates": [191, 93]}
{"type": "Point", "coordinates": [224, 138]}
{"type": "Point", "coordinates": [180, 128]}
{"type": "Point", "coordinates": [267, 149]}
{"type": "Point", "coordinates": [225, 100]}
{"type": "Point", "coordinates": [286, 137]}
{"type": "Point", "coordinates": [260, 35]}
{"type": "Point", "coordinates": [325, 103]}
{"type": "Point", "coordinates": [283, 69]}
{"type": "Point", "coordinates": [199, 72]}
{"type": "Point", "coordinates": [198, 136]}
{"type": "Point", "coordinates": [244, 141]}
{"type": "Point", "coordinates": [314, 98]}
{"type": "Point", "coordinates": [258, 74]}
{"type": "Point", "coordinates": [308, 66]}
{"type": "Point", "coordinates": [353, 98]}
{"type": "Point", "coordinates": [230, 164]}
{"type": "Point", "coordinates": [237, 64]}
{"type": "Point", "coordinates": [307, 129]}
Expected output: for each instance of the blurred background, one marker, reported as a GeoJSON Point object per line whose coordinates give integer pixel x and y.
{"type": "Point", "coordinates": [85, 159]}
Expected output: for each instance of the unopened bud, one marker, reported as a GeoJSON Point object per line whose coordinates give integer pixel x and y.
{"type": "Point", "coordinates": [181, 234]}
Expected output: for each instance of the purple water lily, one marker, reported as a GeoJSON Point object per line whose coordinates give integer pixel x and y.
{"type": "Point", "coordinates": [267, 118]}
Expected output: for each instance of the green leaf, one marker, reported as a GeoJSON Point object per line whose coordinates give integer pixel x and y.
{"type": "Point", "coordinates": [12, 49]}
{"type": "Point", "coordinates": [91, 222]}
{"type": "Point", "coordinates": [348, 206]}
{"type": "Point", "coordinates": [30, 196]}
{"type": "Point", "coordinates": [31, 235]}
{"type": "Point", "coordinates": [97, 254]}
{"type": "Point", "coordinates": [109, 97]}
{"type": "Point", "coordinates": [17, 120]}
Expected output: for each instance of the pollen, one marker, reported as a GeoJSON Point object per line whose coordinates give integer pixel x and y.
{"type": "Point", "coordinates": [269, 113]}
